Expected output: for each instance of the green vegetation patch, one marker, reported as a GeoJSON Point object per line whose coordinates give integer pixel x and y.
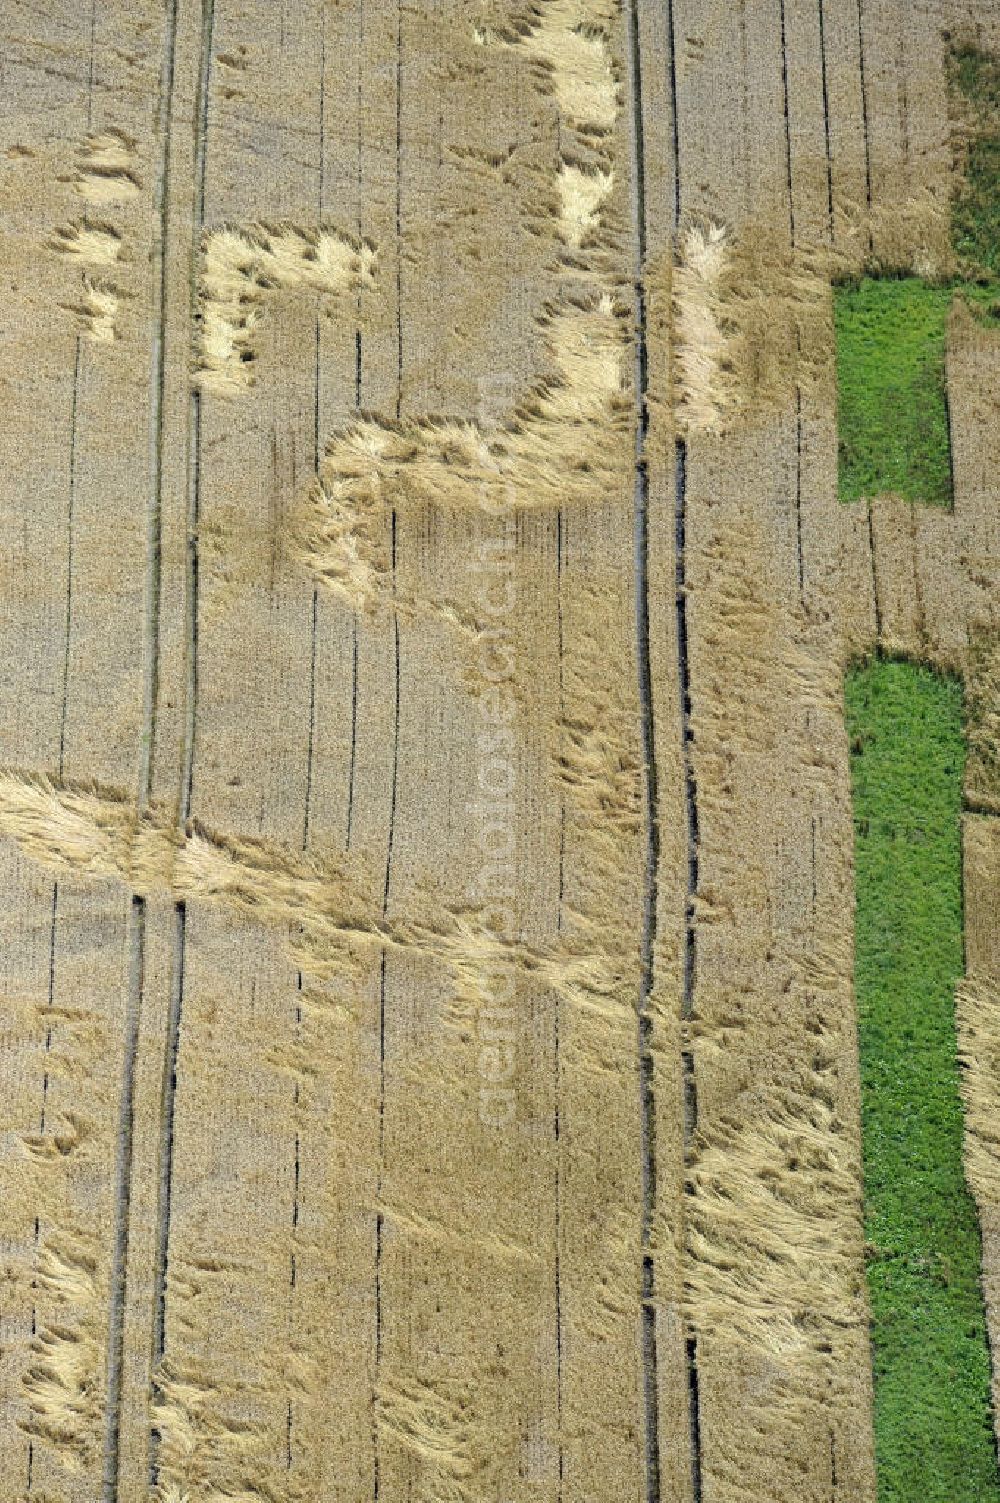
{"type": "Point", "coordinates": [892, 408]}
{"type": "Point", "coordinates": [975, 78]}
{"type": "Point", "coordinates": [892, 404]}
{"type": "Point", "coordinates": [890, 332]}
{"type": "Point", "coordinates": [933, 1424]}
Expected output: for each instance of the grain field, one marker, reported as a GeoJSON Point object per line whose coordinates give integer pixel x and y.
{"type": "Point", "coordinates": [429, 1042]}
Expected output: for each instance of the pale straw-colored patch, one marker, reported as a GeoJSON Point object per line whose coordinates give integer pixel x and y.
{"type": "Point", "coordinates": [99, 310]}
{"type": "Point", "coordinates": [581, 195]}
{"type": "Point", "coordinates": [700, 344]}
{"type": "Point", "coordinates": [93, 244]}
{"type": "Point", "coordinates": [105, 173]}
{"type": "Point", "coordinates": [561, 446]}
{"type": "Point", "coordinates": [243, 268]}
{"type": "Point", "coordinates": [571, 41]}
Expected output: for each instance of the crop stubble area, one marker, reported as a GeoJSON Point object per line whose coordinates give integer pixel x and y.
{"type": "Point", "coordinates": [500, 675]}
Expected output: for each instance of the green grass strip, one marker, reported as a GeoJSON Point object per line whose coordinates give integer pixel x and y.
{"type": "Point", "coordinates": [933, 1423]}
{"type": "Point", "coordinates": [893, 427]}
{"type": "Point", "coordinates": [976, 207]}
{"type": "Point", "coordinates": [892, 408]}
{"type": "Point", "coordinates": [892, 411]}
{"type": "Point", "coordinates": [976, 210]}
